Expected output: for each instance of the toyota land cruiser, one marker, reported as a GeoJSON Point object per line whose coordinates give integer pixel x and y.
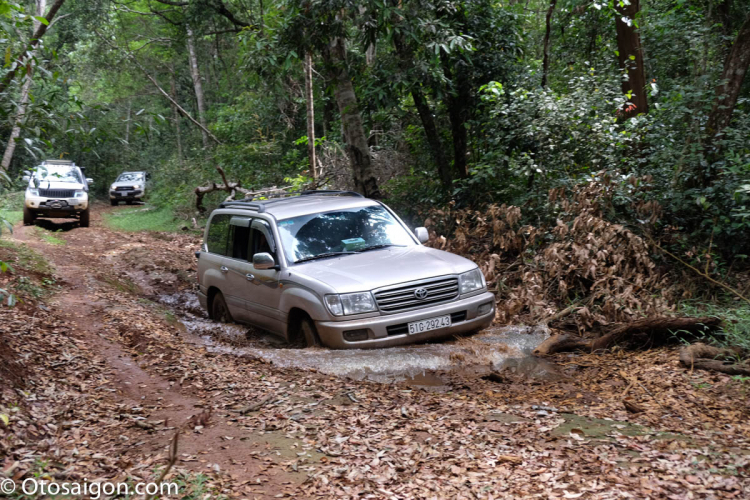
{"type": "Point", "coordinates": [337, 269]}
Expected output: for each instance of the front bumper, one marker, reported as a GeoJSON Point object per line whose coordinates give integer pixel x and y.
{"type": "Point", "coordinates": [42, 205]}
{"type": "Point", "coordinates": [331, 333]}
{"type": "Point", "coordinates": [136, 194]}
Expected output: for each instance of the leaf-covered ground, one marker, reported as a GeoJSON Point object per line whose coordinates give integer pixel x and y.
{"type": "Point", "coordinates": [98, 375]}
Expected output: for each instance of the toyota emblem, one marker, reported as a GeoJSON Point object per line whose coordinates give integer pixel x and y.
{"type": "Point", "coordinates": [420, 293]}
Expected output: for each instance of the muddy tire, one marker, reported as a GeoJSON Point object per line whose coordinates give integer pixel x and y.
{"type": "Point", "coordinates": [219, 309]}
{"type": "Point", "coordinates": [308, 333]}
{"type": "Point", "coordinates": [28, 217]}
{"type": "Point", "coordinates": [114, 202]}
{"type": "Point", "coordinates": [84, 221]}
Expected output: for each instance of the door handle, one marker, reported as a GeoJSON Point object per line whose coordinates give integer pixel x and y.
{"type": "Point", "coordinates": [224, 269]}
{"type": "Point", "coordinates": [250, 277]}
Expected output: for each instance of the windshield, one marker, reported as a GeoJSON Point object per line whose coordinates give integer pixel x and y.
{"type": "Point", "coordinates": [130, 177]}
{"type": "Point", "coordinates": [350, 230]}
{"type": "Point", "coordinates": [57, 174]}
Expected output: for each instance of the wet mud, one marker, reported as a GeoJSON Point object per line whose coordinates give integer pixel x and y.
{"type": "Point", "coordinates": [429, 366]}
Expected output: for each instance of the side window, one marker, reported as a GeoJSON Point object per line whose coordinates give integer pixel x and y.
{"type": "Point", "coordinates": [240, 242]}
{"type": "Point", "coordinates": [261, 239]}
{"type": "Point", "coordinates": [218, 234]}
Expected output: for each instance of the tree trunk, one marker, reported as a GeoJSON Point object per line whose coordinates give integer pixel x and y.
{"type": "Point", "coordinates": [197, 84]}
{"type": "Point", "coordinates": [351, 121]}
{"type": "Point", "coordinates": [406, 57]}
{"type": "Point", "coordinates": [10, 147]}
{"type": "Point", "coordinates": [545, 60]}
{"type": "Point", "coordinates": [433, 137]}
{"type": "Point", "coordinates": [39, 31]}
{"type": "Point", "coordinates": [631, 59]}
{"type": "Point", "coordinates": [175, 114]}
{"type": "Point", "coordinates": [458, 102]}
{"type": "Point", "coordinates": [309, 97]}
{"type": "Point", "coordinates": [127, 122]}
{"type": "Point", "coordinates": [735, 68]}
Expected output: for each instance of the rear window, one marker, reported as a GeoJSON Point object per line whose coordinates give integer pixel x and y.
{"type": "Point", "coordinates": [218, 234]}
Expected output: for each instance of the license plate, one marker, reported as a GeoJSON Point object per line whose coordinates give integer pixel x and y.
{"type": "Point", "coordinates": [430, 324]}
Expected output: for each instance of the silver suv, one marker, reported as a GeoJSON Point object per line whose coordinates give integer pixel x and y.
{"type": "Point", "coordinates": [129, 187]}
{"type": "Point", "coordinates": [337, 269]}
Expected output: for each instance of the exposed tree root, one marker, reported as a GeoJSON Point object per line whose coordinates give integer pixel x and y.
{"type": "Point", "coordinates": [706, 357]}
{"type": "Point", "coordinates": [656, 331]}
{"type": "Point", "coordinates": [562, 343]}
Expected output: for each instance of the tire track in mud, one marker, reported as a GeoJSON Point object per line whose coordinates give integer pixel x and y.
{"type": "Point", "coordinates": [95, 291]}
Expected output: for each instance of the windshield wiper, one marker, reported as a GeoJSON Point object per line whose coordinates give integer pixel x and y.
{"type": "Point", "coordinates": [375, 247]}
{"type": "Point", "coordinates": [322, 256]}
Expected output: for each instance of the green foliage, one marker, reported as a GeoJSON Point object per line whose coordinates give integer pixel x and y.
{"type": "Point", "coordinates": [735, 318]}
{"type": "Point", "coordinates": [142, 218]}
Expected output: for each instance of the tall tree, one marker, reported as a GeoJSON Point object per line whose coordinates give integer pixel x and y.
{"type": "Point", "coordinates": [735, 68]}
{"type": "Point", "coordinates": [547, 33]}
{"type": "Point", "coordinates": [197, 83]}
{"type": "Point", "coordinates": [630, 56]}
{"type": "Point", "coordinates": [351, 120]}
{"type": "Point", "coordinates": [23, 103]}
{"type": "Point", "coordinates": [310, 101]}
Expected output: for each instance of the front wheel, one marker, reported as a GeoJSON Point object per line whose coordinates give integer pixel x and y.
{"type": "Point", "coordinates": [309, 333]}
{"type": "Point", "coordinates": [84, 222]}
{"type": "Point", "coordinates": [219, 309]}
{"type": "Point", "coordinates": [114, 203]}
{"type": "Point", "coordinates": [28, 217]}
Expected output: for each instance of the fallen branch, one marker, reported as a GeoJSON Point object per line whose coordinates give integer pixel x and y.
{"type": "Point", "coordinates": [170, 464]}
{"type": "Point", "coordinates": [656, 331]}
{"type": "Point", "coordinates": [562, 343]}
{"type": "Point", "coordinates": [233, 188]}
{"type": "Point", "coordinates": [256, 406]}
{"type": "Point", "coordinates": [706, 357]}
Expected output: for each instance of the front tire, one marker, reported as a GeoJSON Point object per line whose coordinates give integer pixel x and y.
{"type": "Point", "coordinates": [308, 331]}
{"type": "Point", "coordinates": [28, 217]}
{"type": "Point", "coordinates": [219, 310]}
{"type": "Point", "coordinates": [114, 203]}
{"type": "Point", "coordinates": [84, 222]}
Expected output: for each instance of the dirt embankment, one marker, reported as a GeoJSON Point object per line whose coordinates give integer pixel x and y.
{"type": "Point", "coordinates": [105, 374]}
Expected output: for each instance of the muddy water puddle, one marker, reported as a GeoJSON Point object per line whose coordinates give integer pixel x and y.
{"type": "Point", "coordinates": [426, 366]}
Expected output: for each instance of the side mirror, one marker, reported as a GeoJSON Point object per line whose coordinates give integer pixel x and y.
{"type": "Point", "coordinates": [263, 260]}
{"type": "Point", "coordinates": [89, 180]}
{"type": "Point", "coordinates": [26, 178]}
{"type": "Point", "coordinates": [422, 235]}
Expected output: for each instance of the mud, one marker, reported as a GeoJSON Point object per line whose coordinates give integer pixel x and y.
{"type": "Point", "coordinates": [427, 366]}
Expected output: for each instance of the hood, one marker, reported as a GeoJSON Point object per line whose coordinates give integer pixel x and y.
{"type": "Point", "coordinates": [127, 183]}
{"type": "Point", "coordinates": [379, 268]}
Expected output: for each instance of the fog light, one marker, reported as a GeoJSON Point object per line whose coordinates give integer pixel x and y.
{"type": "Point", "coordinates": [355, 335]}
{"type": "Point", "coordinates": [484, 309]}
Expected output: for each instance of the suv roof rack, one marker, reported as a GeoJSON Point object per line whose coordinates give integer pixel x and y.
{"type": "Point", "coordinates": [331, 192]}
{"type": "Point", "coordinates": [260, 206]}
{"type": "Point", "coordinates": [58, 162]}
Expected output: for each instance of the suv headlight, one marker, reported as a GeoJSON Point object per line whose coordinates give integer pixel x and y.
{"type": "Point", "coordinates": [33, 191]}
{"type": "Point", "coordinates": [351, 303]}
{"type": "Point", "coordinates": [471, 281]}
{"type": "Point", "coordinates": [80, 194]}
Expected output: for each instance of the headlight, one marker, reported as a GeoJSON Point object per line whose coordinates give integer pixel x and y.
{"type": "Point", "coordinates": [471, 281]}
{"type": "Point", "coordinates": [137, 186]}
{"type": "Point", "coordinates": [33, 191]}
{"type": "Point", "coordinates": [80, 194]}
{"type": "Point", "coordinates": [112, 187]}
{"type": "Point", "coordinates": [351, 303]}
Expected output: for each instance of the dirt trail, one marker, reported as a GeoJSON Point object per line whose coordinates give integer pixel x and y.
{"type": "Point", "coordinates": [94, 274]}
{"type": "Point", "coordinates": [282, 424]}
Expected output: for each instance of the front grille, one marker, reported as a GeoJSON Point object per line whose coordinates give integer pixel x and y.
{"type": "Point", "coordinates": [403, 328]}
{"type": "Point", "coordinates": [57, 193]}
{"type": "Point", "coordinates": [403, 297]}
{"type": "Point", "coordinates": [124, 188]}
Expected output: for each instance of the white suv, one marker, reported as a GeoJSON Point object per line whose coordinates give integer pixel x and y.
{"type": "Point", "coordinates": [56, 188]}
